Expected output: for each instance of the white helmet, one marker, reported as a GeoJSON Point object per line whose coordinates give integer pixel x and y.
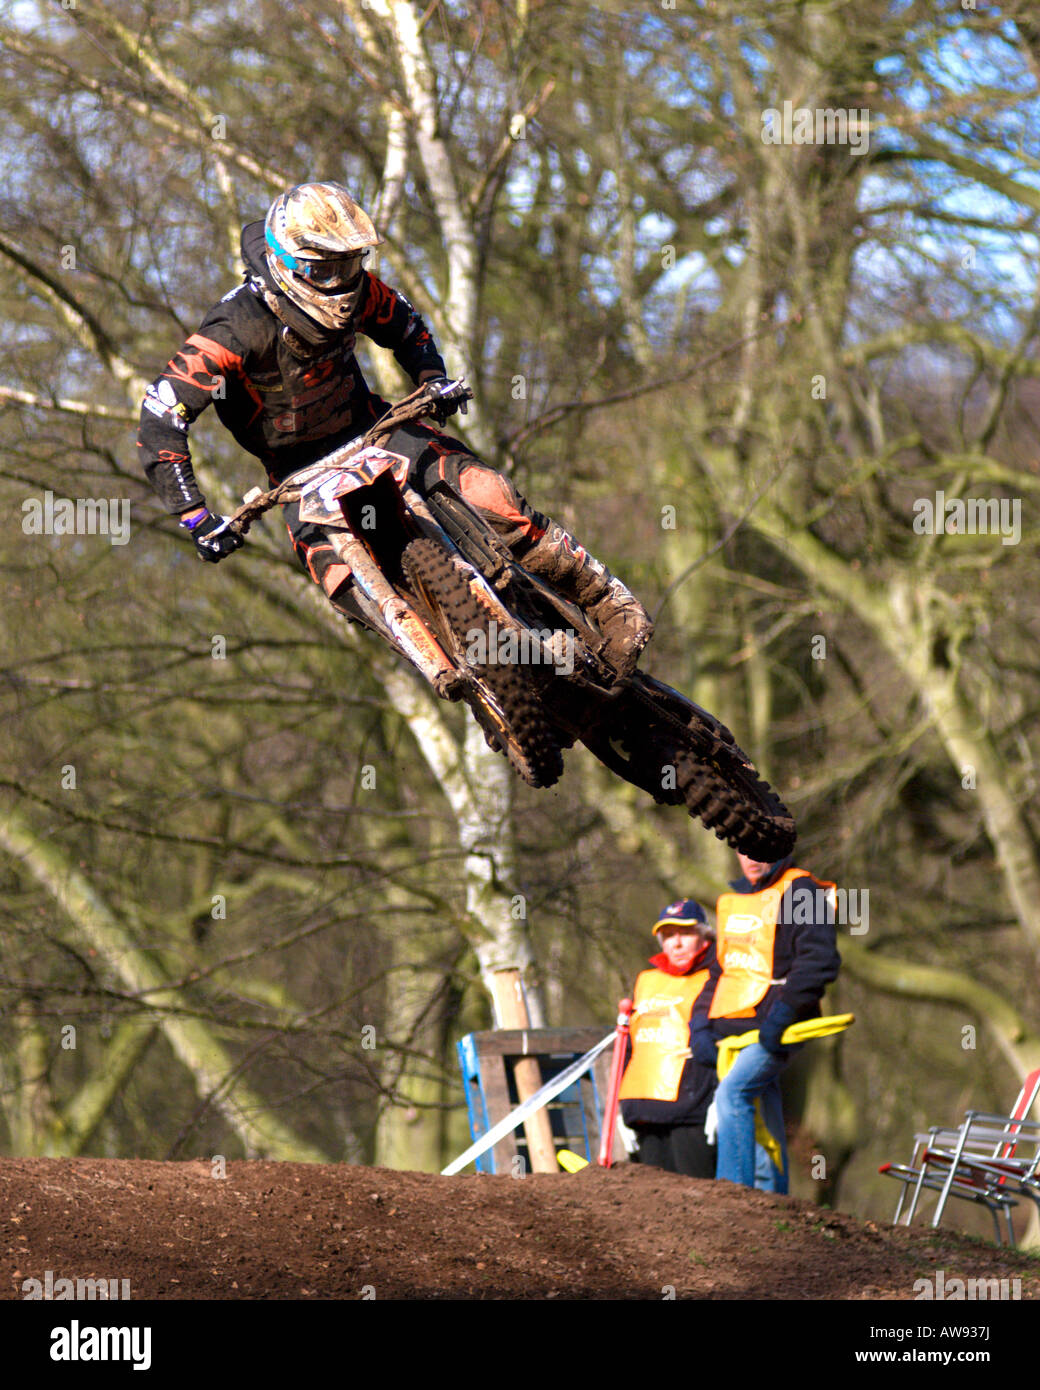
{"type": "Point", "coordinates": [317, 237]}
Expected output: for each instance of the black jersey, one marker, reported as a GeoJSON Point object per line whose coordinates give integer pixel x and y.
{"type": "Point", "coordinates": [285, 400]}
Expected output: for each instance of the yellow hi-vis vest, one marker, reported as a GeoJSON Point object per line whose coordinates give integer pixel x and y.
{"type": "Point", "coordinates": [746, 926]}
{"type": "Point", "coordinates": [660, 1034]}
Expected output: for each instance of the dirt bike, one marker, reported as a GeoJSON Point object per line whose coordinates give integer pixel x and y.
{"type": "Point", "coordinates": [436, 582]}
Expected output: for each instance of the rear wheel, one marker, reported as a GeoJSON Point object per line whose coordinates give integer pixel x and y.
{"type": "Point", "coordinates": [681, 755]}
{"type": "Point", "coordinates": [499, 694]}
{"type": "Point", "coordinates": [728, 796]}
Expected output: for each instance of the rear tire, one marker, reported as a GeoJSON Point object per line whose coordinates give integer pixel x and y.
{"type": "Point", "coordinates": [681, 755]}
{"type": "Point", "coordinates": [737, 805]}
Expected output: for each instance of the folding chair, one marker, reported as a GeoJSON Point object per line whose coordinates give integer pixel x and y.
{"type": "Point", "coordinates": [980, 1162]}
{"type": "Point", "coordinates": [915, 1175]}
{"type": "Point", "coordinates": [998, 1152]}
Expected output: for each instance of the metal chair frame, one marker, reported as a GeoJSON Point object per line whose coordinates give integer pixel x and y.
{"type": "Point", "coordinates": [999, 1153]}
{"type": "Point", "coordinates": [978, 1161]}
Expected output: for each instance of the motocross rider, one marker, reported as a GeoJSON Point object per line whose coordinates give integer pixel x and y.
{"type": "Point", "coordinates": [276, 358]}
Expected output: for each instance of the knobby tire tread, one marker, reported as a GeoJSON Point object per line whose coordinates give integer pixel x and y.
{"type": "Point", "coordinates": [533, 751]}
{"type": "Point", "coordinates": [714, 778]}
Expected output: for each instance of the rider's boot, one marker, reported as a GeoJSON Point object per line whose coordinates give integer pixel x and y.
{"type": "Point", "coordinates": [624, 622]}
{"type": "Point", "coordinates": [555, 555]}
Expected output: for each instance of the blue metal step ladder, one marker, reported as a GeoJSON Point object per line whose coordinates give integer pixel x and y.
{"type": "Point", "coordinates": [486, 1061]}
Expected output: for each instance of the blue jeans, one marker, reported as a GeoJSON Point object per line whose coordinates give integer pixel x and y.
{"type": "Point", "coordinates": [755, 1075]}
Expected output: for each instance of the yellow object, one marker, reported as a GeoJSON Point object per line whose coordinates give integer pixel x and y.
{"type": "Point", "coordinates": [570, 1161]}
{"type": "Point", "coordinates": [747, 924]}
{"type": "Point", "coordinates": [660, 1034]}
{"type": "Point", "coordinates": [808, 1029]}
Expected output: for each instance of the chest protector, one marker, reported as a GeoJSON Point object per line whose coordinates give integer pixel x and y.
{"type": "Point", "coordinates": [660, 1034]}
{"type": "Point", "coordinates": [746, 925]}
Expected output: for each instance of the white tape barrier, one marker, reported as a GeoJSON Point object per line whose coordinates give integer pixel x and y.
{"type": "Point", "coordinates": [548, 1092]}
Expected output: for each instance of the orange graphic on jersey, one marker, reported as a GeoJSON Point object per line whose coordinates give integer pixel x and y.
{"type": "Point", "coordinates": [213, 360]}
{"type": "Point", "coordinates": [379, 306]}
{"type": "Point", "coordinates": [315, 375]}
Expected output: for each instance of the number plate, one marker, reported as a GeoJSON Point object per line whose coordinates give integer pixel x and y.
{"type": "Point", "coordinates": [319, 496]}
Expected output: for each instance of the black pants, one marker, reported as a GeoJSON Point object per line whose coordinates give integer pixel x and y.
{"type": "Point", "coordinates": [433, 457]}
{"type": "Point", "coordinates": [677, 1149]}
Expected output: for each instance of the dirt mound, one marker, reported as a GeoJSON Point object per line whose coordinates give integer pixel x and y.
{"type": "Point", "coordinates": [297, 1231]}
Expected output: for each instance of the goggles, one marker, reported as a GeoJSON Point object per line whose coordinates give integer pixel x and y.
{"type": "Point", "coordinates": [331, 273]}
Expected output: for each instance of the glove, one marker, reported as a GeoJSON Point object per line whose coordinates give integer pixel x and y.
{"type": "Point", "coordinates": [702, 1046]}
{"type": "Point", "coordinates": [214, 540]}
{"type": "Point", "coordinates": [779, 1018]}
{"type": "Point", "coordinates": [452, 396]}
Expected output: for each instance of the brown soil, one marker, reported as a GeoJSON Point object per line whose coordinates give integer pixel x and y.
{"type": "Point", "coordinates": [296, 1231]}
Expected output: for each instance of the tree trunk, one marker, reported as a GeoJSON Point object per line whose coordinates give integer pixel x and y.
{"type": "Point", "coordinates": [212, 1069]}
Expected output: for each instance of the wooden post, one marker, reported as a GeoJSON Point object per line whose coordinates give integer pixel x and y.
{"type": "Point", "coordinates": [511, 1012]}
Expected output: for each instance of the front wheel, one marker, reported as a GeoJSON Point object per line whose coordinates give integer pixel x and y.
{"type": "Point", "coordinates": [499, 694]}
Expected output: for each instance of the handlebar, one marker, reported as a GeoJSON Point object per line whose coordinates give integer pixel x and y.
{"type": "Point", "coordinates": [427, 400]}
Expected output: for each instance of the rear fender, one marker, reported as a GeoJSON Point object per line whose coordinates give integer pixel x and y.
{"type": "Point", "coordinates": [680, 707]}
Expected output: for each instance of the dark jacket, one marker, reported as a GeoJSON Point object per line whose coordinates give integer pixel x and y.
{"type": "Point", "coordinates": [805, 956]}
{"type": "Point", "coordinates": [697, 1083]}
{"type": "Point", "coordinates": [288, 390]}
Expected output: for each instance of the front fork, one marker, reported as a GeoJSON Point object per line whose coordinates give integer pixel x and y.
{"type": "Point", "coordinates": [398, 621]}
{"type": "Point", "coordinates": [388, 612]}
